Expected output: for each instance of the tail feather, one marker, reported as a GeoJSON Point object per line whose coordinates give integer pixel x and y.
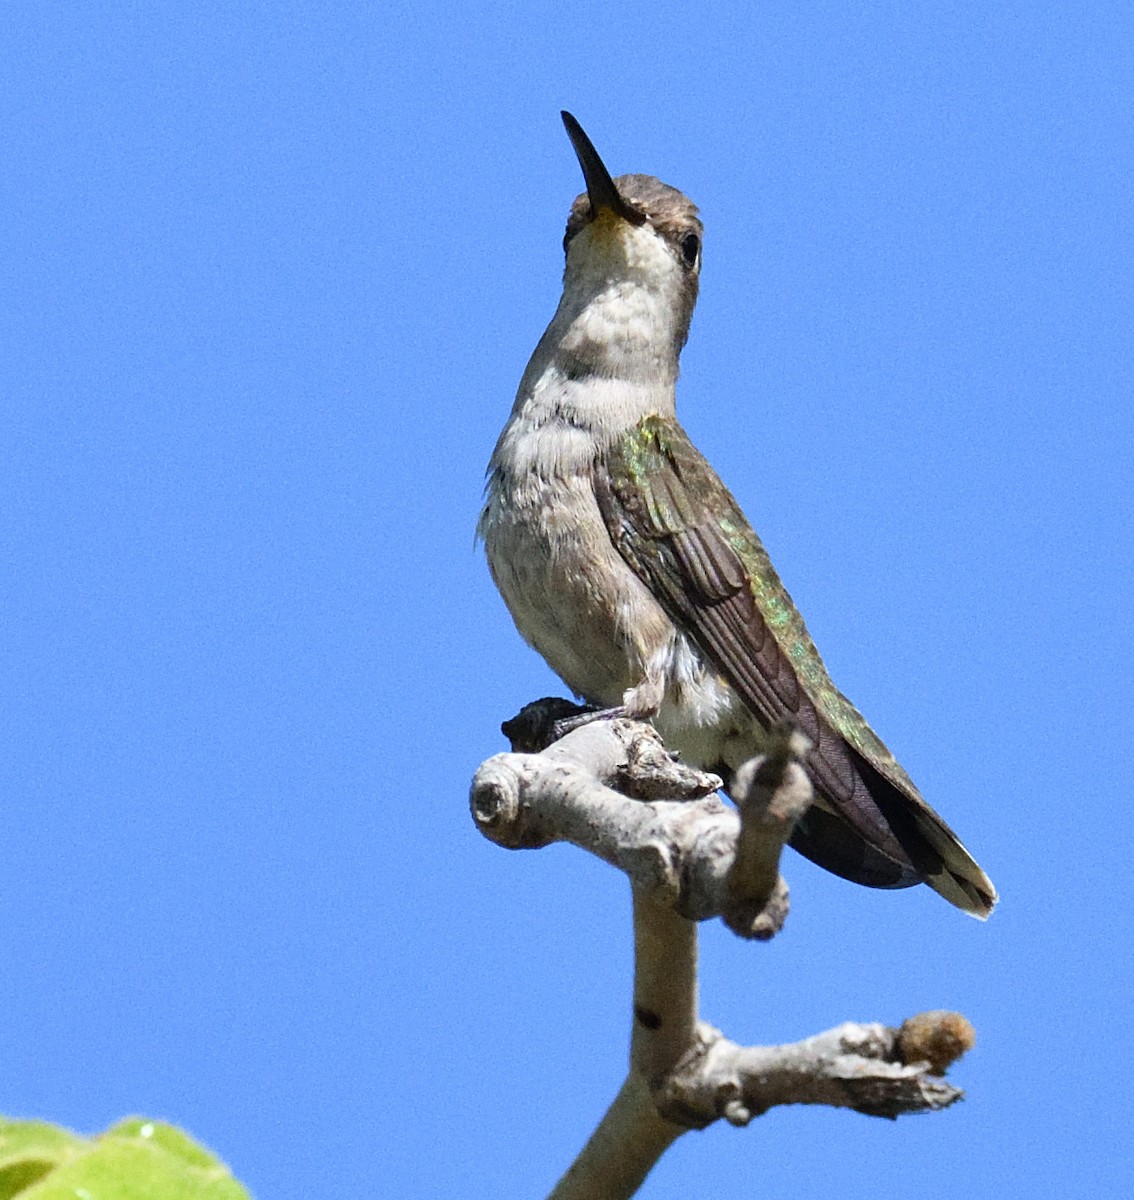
{"type": "Point", "coordinates": [880, 833]}
{"type": "Point", "coordinates": [934, 849]}
{"type": "Point", "coordinates": [836, 846]}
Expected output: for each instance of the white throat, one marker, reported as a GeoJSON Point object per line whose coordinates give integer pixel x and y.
{"type": "Point", "coordinates": [622, 301]}
{"type": "Point", "coordinates": [609, 356]}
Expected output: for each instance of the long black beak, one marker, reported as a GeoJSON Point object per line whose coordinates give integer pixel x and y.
{"type": "Point", "coordinates": [600, 186]}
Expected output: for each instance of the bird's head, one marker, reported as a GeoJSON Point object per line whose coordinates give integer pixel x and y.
{"type": "Point", "coordinates": [634, 243]}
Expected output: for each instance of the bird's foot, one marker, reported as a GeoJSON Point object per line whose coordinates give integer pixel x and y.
{"type": "Point", "coordinates": [542, 722]}
{"type": "Point", "coordinates": [591, 712]}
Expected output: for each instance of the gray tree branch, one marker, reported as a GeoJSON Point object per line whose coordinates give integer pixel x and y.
{"type": "Point", "coordinates": [609, 787]}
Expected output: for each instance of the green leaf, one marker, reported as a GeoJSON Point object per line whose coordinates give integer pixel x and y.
{"type": "Point", "coordinates": [136, 1159]}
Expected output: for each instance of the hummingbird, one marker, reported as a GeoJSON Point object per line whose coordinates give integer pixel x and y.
{"type": "Point", "coordinates": [629, 566]}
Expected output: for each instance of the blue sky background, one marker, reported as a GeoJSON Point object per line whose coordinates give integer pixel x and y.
{"type": "Point", "coordinates": [270, 275]}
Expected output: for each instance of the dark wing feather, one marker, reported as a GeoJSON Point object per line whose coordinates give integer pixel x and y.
{"type": "Point", "coordinates": [683, 533]}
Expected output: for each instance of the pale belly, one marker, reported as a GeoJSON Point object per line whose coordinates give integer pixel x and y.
{"type": "Point", "coordinates": [572, 597]}
{"type": "Point", "coordinates": [578, 603]}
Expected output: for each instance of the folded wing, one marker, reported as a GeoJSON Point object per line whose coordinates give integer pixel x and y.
{"type": "Point", "coordinates": [682, 532]}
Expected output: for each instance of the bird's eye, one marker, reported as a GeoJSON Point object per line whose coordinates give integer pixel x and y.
{"type": "Point", "coordinates": [690, 248]}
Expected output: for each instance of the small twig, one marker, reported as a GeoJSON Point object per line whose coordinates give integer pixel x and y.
{"type": "Point", "coordinates": [860, 1067]}
{"type": "Point", "coordinates": [772, 792]}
